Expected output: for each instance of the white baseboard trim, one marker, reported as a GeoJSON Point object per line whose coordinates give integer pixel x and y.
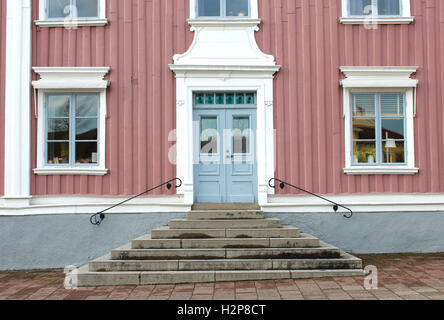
{"type": "Point", "coordinates": [53, 205]}
{"type": "Point", "coordinates": [357, 203]}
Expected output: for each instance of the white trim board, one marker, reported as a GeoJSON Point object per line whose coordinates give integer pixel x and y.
{"type": "Point", "coordinates": [18, 103]}
{"type": "Point", "coordinates": [60, 205]}
{"type": "Point", "coordinates": [357, 203]}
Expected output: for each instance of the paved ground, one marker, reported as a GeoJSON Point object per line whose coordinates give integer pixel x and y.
{"type": "Point", "coordinates": [411, 277]}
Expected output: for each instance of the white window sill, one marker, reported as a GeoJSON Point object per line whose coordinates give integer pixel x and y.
{"type": "Point", "coordinates": [72, 23]}
{"type": "Point", "coordinates": [87, 171]}
{"type": "Point", "coordinates": [376, 20]}
{"type": "Point", "coordinates": [380, 170]}
{"type": "Point", "coordinates": [216, 22]}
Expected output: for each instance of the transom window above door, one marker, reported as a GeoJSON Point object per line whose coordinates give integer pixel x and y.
{"type": "Point", "coordinates": [223, 8]}
{"type": "Point", "coordinates": [215, 98]}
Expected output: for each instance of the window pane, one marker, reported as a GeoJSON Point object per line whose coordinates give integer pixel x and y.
{"type": "Point", "coordinates": [364, 152]}
{"type": "Point", "coordinates": [360, 7]}
{"type": "Point", "coordinates": [393, 151]}
{"type": "Point", "coordinates": [208, 135]}
{"type": "Point", "coordinates": [199, 99]}
{"type": "Point", "coordinates": [58, 129]}
{"type": "Point", "coordinates": [250, 98]}
{"type": "Point", "coordinates": [87, 105]}
{"type": "Point", "coordinates": [393, 129]}
{"type": "Point", "coordinates": [237, 8]}
{"type": "Point", "coordinates": [392, 104]}
{"type": "Point", "coordinates": [58, 152]}
{"type": "Point", "coordinates": [58, 106]}
{"type": "Point", "coordinates": [364, 128]}
{"type": "Point", "coordinates": [241, 135]}
{"type": "Point", "coordinates": [86, 129]}
{"type": "Point", "coordinates": [209, 8]}
{"type": "Point", "coordinates": [87, 8]}
{"type": "Point", "coordinates": [209, 98]}
{"type": "Point", "coordinates": [240, 98]}
{"type": "Point", "coordinates": [220, 98]}
{"type": "Point", "coordinates": [389, 7]}
{"type": "Point", "coordinates": [58, 8]}
{"type": "Point", "coordinates": [86, 152]}
{"type": "Point", "coordinates": [364, 104]}
{"type": "Point", "coordinates": [230, 98]}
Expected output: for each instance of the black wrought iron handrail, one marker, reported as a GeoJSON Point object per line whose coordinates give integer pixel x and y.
{"type": "Point", "coordinates": [96, 219]}
{"type": "Point", "coordinates": [336, 206]}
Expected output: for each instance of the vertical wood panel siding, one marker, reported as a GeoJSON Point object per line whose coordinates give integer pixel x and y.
{"type": "Point", "coordinates": [138, 44]}
{"type": "Point", "coordinates": [2, 93]}
{"type": "Point", "coordinates": [310, 44]}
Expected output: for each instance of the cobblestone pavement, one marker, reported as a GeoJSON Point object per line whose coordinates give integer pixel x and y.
{"type": "Point", "coordinates": [400, 277]}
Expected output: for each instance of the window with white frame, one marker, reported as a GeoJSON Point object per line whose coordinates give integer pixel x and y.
{"type": "Point", "coordinates": [223, 8]}
{"type": "Point", "coordinates": [72, 129]}
{"type": "Point", "coordinates": [71, 120]}
{"type": "Point", "coordinates": [379, 111]}
{"type": "Point", "coordinates": [72, 12]}
{"type": "Point", "coordinates": [376, 11]}
{"type": "Point", "coordinates": [378, 123]}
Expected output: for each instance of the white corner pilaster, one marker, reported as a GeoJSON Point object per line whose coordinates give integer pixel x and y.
{"type": "Point", "coordinates": [18, 104]}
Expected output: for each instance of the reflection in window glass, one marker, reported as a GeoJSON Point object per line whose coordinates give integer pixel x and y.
{"type": "Point", "coordinates": [87, 8]}
{"type": "Point", "coordinates": [237, 8]}
{"type": "Point", "coordinates": [241, 135]}
{"type": "Point", "coordinates": [208, 8]}
{"type": "Point", "coordinates": [389, 7]}
{"type": "Point", "coordinates": [208, 135]}
{"type": "Point", "coordinates": [360, 7]}
{"type": "Point", "coordinates": [58, 8]}
{"type": "Point", "coordinates": [77, 8]}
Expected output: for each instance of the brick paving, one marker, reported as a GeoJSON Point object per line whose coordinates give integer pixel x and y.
{"type": "Point", "coordinates": [400, 277]}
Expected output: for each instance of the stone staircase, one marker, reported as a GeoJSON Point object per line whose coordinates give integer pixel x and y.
{"type": "Point", "coordinates": [221, 244]}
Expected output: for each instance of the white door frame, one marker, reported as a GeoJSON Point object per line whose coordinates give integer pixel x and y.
{"type": "Point", "coordinates": [187, 84]}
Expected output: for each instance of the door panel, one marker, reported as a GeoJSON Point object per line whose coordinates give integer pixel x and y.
{"type": "Point", "coordinates": [226, 170]}
{"type": "Point", "coordinates": [208, 172]}
{"type": "Point", "coordinates": [241, 170]}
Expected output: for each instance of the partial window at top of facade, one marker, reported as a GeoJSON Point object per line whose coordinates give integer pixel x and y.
{"type": "Point", "coordinates": [223, 8]}
{"type": "Point", "coordinates": [60, 9]}
{"type": "Point", "coordinates": [376, 12]}
{"type": "Point", "coordinates": [59, 13]}
{"type": "Point", "coordinates": [375, 7]}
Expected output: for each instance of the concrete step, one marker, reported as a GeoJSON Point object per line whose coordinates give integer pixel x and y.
{"type": "Point", "coordinates": [145, 242]}
{"type": "Point", "coordinates": [86, 278]}
{"type": "Point", "coordinates": [168, 233]}
{"type": "Point", "coordinates": [105, 264]}
{"type": "Point", "coordinates": [225, 214]}
{"type": "Point", "coordinates": [126, 253]}
{"type": "Point", "coordinates": [225, 224]}
{"type": "Point", "coordinates": [226, 206]}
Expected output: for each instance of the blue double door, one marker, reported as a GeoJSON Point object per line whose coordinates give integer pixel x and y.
{"type": "Point", "coordinates": [225, 166]}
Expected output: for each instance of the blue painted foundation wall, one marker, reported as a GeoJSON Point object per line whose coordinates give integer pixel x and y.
{"type": "Point", "coordinates": [397, 232]}
{"type": "Point", "coordinates": [42, 242]}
